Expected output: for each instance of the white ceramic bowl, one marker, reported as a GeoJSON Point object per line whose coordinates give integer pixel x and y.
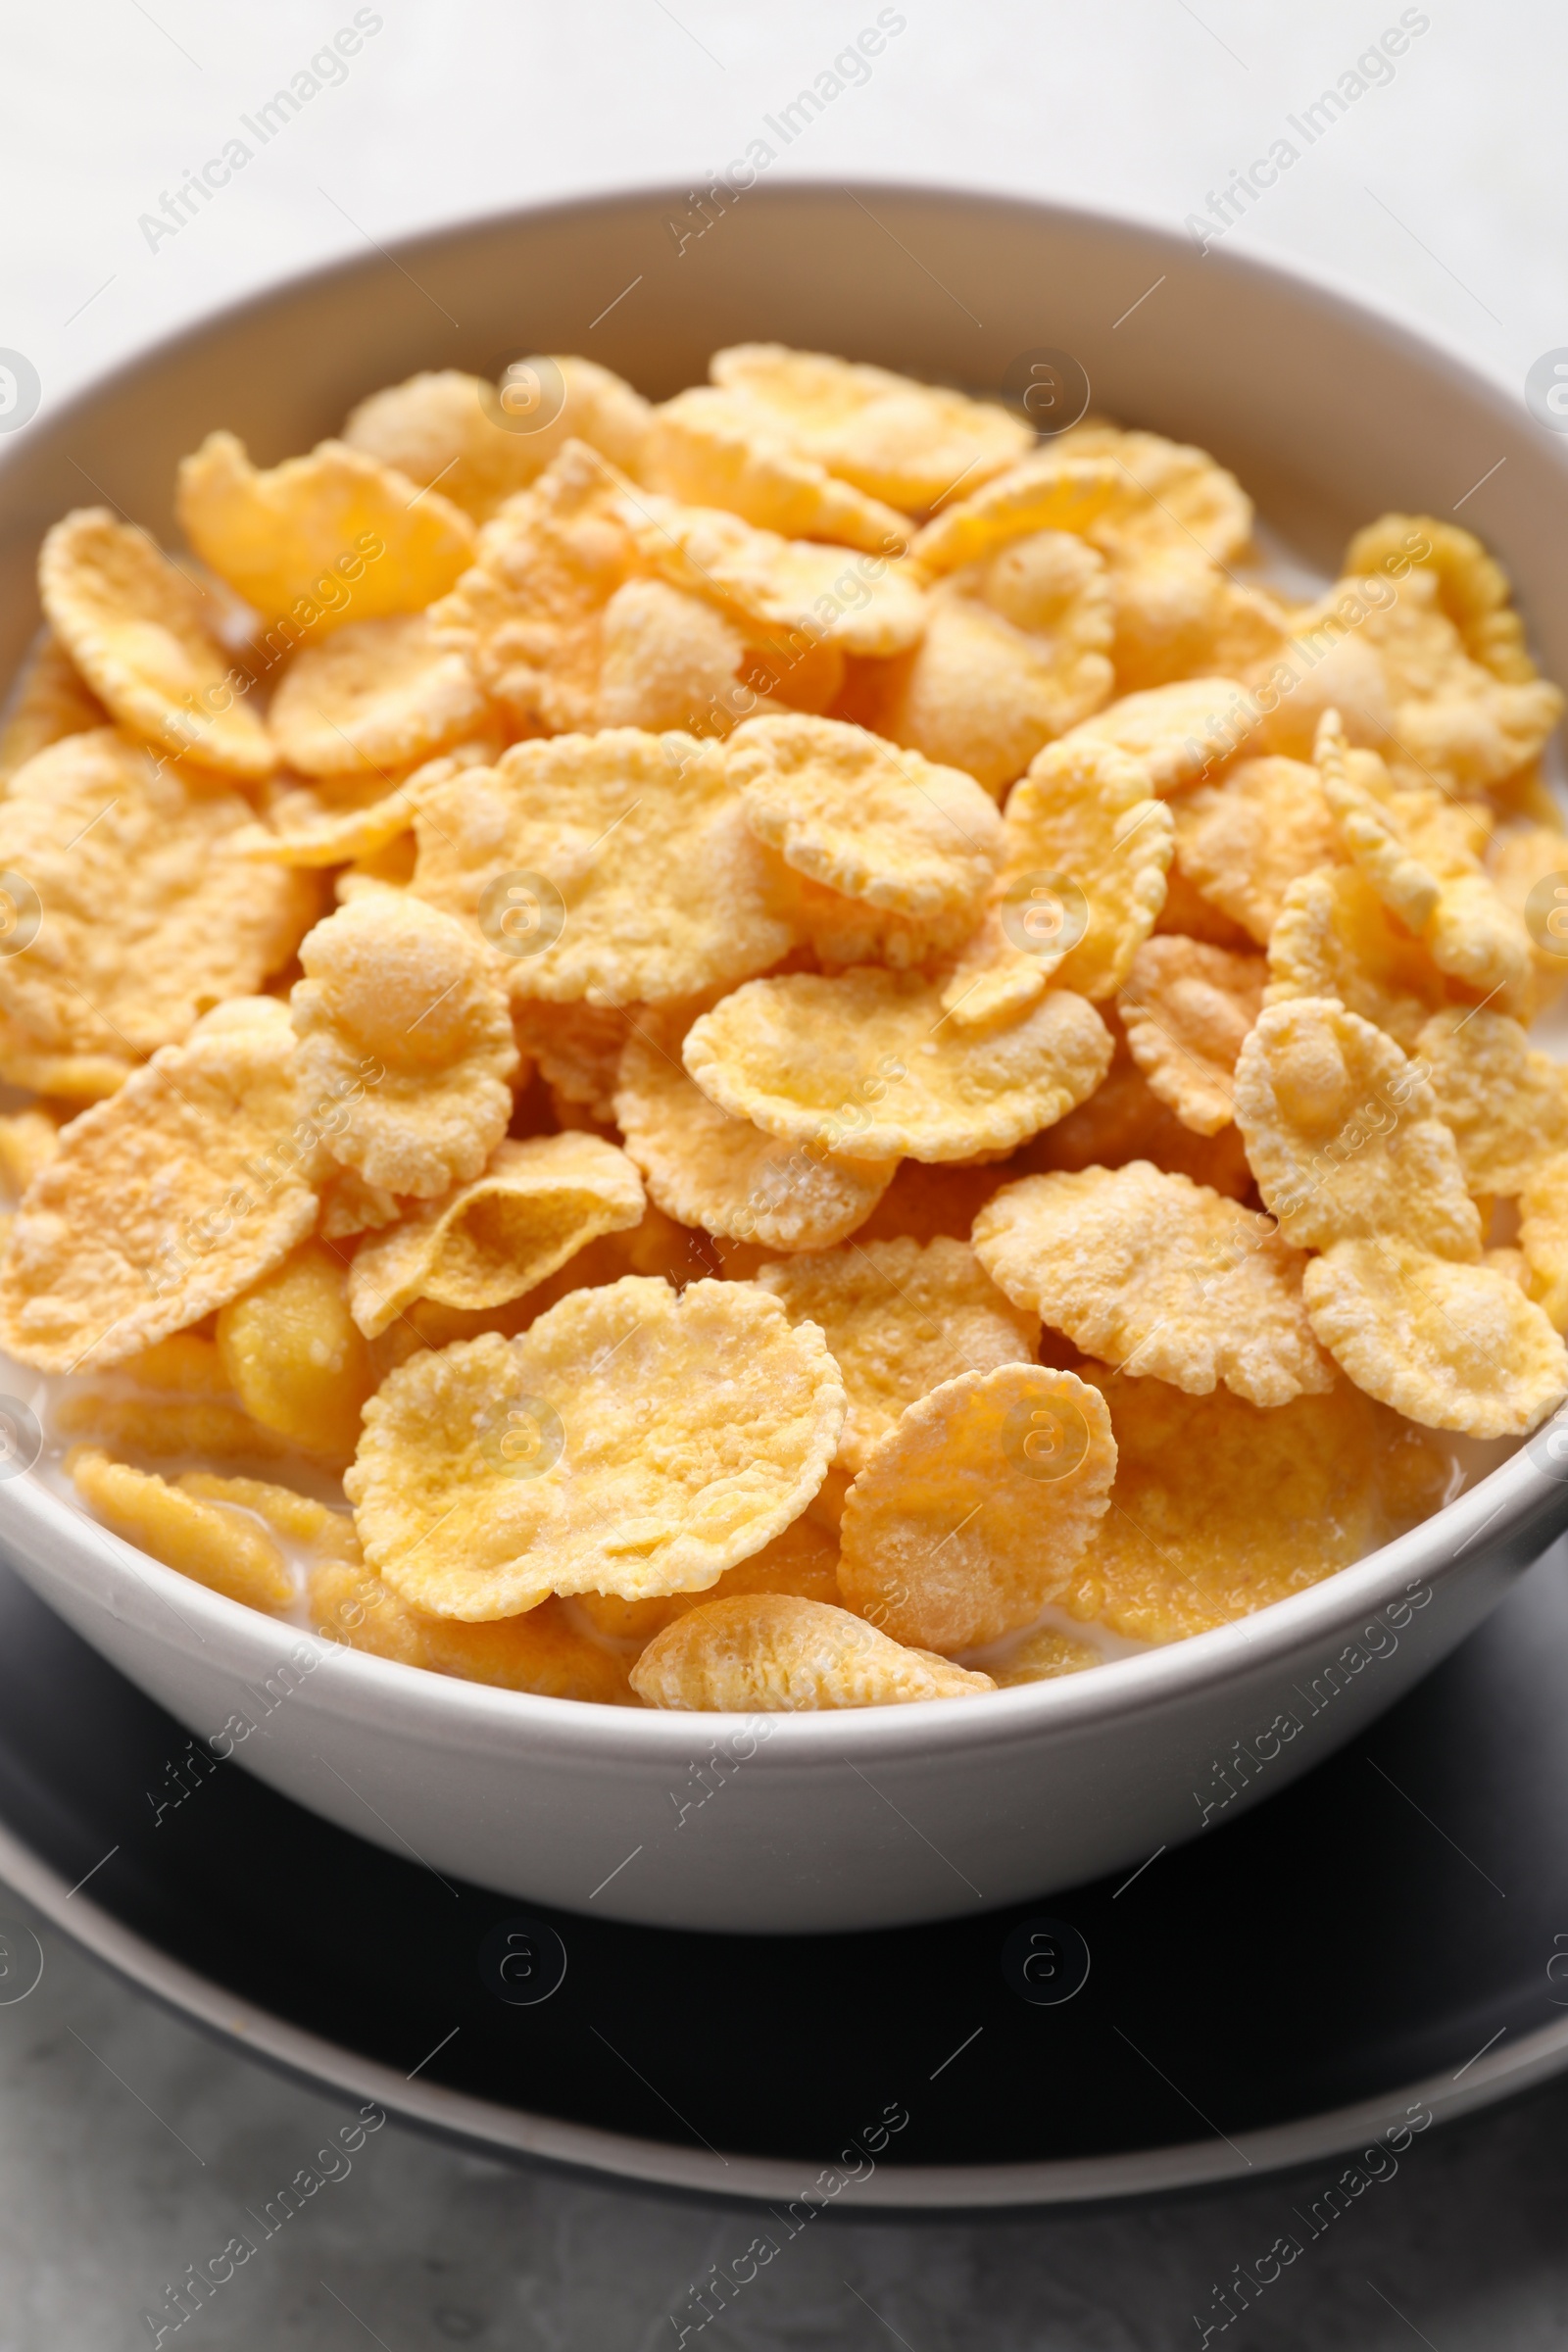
{"type": "Point", "coordinates": [1330, 416]}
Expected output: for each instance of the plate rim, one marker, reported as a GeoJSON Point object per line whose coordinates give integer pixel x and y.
{"type": "Point", "coordinates": [518, 2134]}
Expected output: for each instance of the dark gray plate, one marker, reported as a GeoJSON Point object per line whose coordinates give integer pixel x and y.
{"type": "Point", "coordinates": [1383, 1935]}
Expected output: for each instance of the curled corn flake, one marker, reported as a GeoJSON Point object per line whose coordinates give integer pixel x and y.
{"type": "Point", "coordinates": [1473, 589]}
{"type": "Point", "coordinates": [669, 660]}
{"type": "Point", "coordinates": [1087, 853]}
{"type": "Point", "coordinates": [1157, 1276]}
{"type": "Point", "coordinates": [297, 1518]}
{"type": "Point", "coordinates": [1454, 720]}
{"type": "Point", "coordinates": [49, 700]}
{"type": "Point", "coordinates": [529, 614]}
{"type": "Point", "coordinates": [478, 444]}
{"type": "Point", "coordinates": [1045, 492]}
{"type": "Point", "coordinates": [364, 818]}
{"type": "Point", "coordinates": [1220, 1508]}
{"type": "Point", "coordinates": [908, 443]}
{"type": "Point", "coordinates": [1505, 1104]}
{"type": "Point", "coordinates": [709, 449]}
{"type": "Point", "coordinates": [1543, 1238]}
{"type": "Point", "coordinates": [1528, 868]}
{"type": "Point", "coordinates": [901, 1318]}
{"type": "Point", "coordinates": [1344, 1135]}
{"type": "Point", "coordinates": [616, 867]}
{"type": "Point", "coordinates": [1185, 497]}
{"type": "Point", "coordinates": [28, 1142]}
{"type": "Point", "coordinates": [1336, 938]}
{"type": "Point", "coordinates": [133, 915]}
{"type": "Point", "coordinates": [322, 539]}
{"type": "Point", "coordinates": [161, 1430]}
{"type": "Point", "coordinates": [379, 695]}
{"type": "Point", "coordinates": [865, 1065]}
{"type": "Point", "coordinates": [1178, 732]}
{"type": "Point", "coordinates": [535, 1205]}
{"type": "Point", "coordinates": [1450, 1345]}
{"type": "Point", "coordinates": [1245, 840]}
{"type": "Point", "coordinates": [1179, 617]}
{"type": "Point", "coordinates": [1040, 1657]}
{"type": "Point", "coordinates": [969, 1517]}
{"type": "Point", "coordinates": [634, 1439]}
{"type": "Point", "coordinates": [141, 634]}
{"type": "Point", "coordinates": [1186, 1008]}
{"type": "Point", "coordinates": [294, 1357]}
{"type": "Point", "coordinates": [1017, 651]}
{"type": "Point", "coordinates": [774, 1653]}
{"type": "Point", "coordinates": [707, 1168]}
{"type": "Point", "coordinates": [1437, 890]}
{"type": "Point", "coordinates": [402, 1020]}
{"type": "Point", "coordinates": [541, 1651]}
{"type": "Point", "coordinates": [796, 587]}
{"type": "Point", "coordinates": [844, 809]}
{"type": "Point", "coordinates": [212, 1545]}
{"type": "Point", "coordinates": [164, 1202]}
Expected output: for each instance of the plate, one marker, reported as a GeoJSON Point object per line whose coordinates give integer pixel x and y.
{"type": "Point", "coordinates": [1382, 1944]}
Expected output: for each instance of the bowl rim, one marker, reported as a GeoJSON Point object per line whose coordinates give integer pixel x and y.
{"type": "Point", "coordinates": [51, 1531]}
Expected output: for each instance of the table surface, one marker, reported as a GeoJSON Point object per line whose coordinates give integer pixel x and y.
{"type": "Point", "coordinates": [128, 2143]}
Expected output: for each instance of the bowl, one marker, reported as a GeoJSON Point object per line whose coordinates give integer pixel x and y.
{"type": "Point", "coordinates": [788, 1823]}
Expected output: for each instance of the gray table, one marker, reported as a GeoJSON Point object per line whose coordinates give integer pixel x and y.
{"type": "Point", "coordinates": [128, 2145]}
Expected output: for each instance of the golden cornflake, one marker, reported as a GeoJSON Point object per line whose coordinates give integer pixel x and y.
{"type": "Point", "coordinates": [294, 1357]}
{"type": "Point", "coordinates": [1186, 1008]}
{"type": "Point", "coordinates": [843, 808]}
{"type": "Point", "coordinates": [1336, 938]}
{"type": "Point", "coordinates": [1087, 853]}
{"type": "Point", "coordinates": [379, 694]}
{"type": "Point", "coordinates": [1157, 1276]}
{"type": "Point", "coordinates": [298, 1518]}
{"type": "Point", "coordinates": [1453, 1346]}
{"type": "Point", "coordinates": [162, 1430]}
{"type": "Point", "coordinates": [322, 539]}
{"type": "Point", "coordinates": [1507, 1104]}
{"type": "Point", "coordinates": [140, 632]}
{"type": "Point", "coordinates": [774, 1653]}
{"type": "Point", "coordinates": [1455, 721]}
{"type": "Point", "coordinates": [1473, 589]}
{"type": "Point", "coordinates": [707, 1168]}
{"type": "Point", "coordinates": [669, 660]}
{"type": "Point", "coordinates": [709, 449]}
{"type": "Point", "coordinates": [131, 915]}
{"type": "Point", "coordinates": [205, 1541]}
{"type": "Point", "coordinates": [1543, 1238]}
{"type": "Point", "coordinates": [536, 1205]}
{"type": "Point", "coordinates": [402, 1020]}
{"type": "Point", "coordinates": [1177, 732]}
{"type": "Point", "coordinates": [541, 1651]}
{"type": "Point", "coordinates": [478, 443]}
{"type": "Point", "coordinates": [908, 443]}
{"type": "Point", "coordinates": [1245, 840]}
{"type": "Point", "coordinates": [901, 1318]}
{"type": "Point", "coordinates": [767, 585]}
{"type": "Point", "coordinates": [864, 1064]}
{"type": "Point", "coordinates": [636, 876]}
{"type": "Point", "coordinates": [164, 1202]}
{"type": "Point", "coordinates": [49, 700]}
{"type": "Point", "coordinates": [969, 1516]}
{"type": "Point", "coordinates": [1343, 1133]}
{"type": "Point", "coordinates": [1220, 1508]}
{"type": "Point", "coordinates": [1040, 1657]}
{"type": "Point", "coordinates": [1017, 651]}
{"type": "Point", "coordinates": [358, 817]}
{"type": "Point", "coordinates": [634, 1439]}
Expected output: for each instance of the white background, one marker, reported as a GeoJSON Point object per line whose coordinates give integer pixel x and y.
{"type": "Point", "coordinates": [1442, 197]}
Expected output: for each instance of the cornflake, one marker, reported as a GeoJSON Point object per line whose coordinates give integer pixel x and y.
{"type": "Point", "coordinates": [1344, 1135]}
{"type": "Point", "coordinates": [293, 1355]}
{"type": "Point", "coordinates": [379, 695]}
{"type": "Point", "coordinates": [778, 1654]}
{"type": "Point", "coordinates": [49, 700]}
{"type": "Point", "coordinates": [1245, 840]}
{"type": "Point", "coordinates": [140, 632]}
{"type": "Point", "coordinates": [969, 1517]}
{"type": "Point", "coordinates": [1451, 1345]}
{"type": "Point", "coordinates": [865, 1065]}
{"type": "Point", "coordinates": [655, 885]}
{"type": "Point", "coordinates": [164, 1202]}
{"type": "Point", "coordinates": [1157, 1276]}
{"type": "Point", "coordinates": [490, 1241]}
{"type": "Point", "coordinates": [1505, 1104]}
{"type": "Point", "coordinates": [479, 445]}
{"type": "Point", "coordinates": [709, 449]}
{"type": "Point", "coordinates": [1178, 732]}
{"type": "Point", "coordinates": [206, 1541]}
{"type": "Point", "coordinates": [319, 540]}
{"type": "Point", "coordinates": [900, 1317]}
{"type": "Point", "coordinates": [634, 1439]}
{"type": "Point", "coordinates": [405, 1002]}
{"type": "Point", "coordinates": [1186, 1009]}
{"type": "Point", "coordinates": [1336, 938]}
{"type": "Point", "coordinates": [771, 586]}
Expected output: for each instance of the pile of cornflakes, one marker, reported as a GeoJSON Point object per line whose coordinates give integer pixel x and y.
{"type": "Point", "coordinates": [816, 1052]}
